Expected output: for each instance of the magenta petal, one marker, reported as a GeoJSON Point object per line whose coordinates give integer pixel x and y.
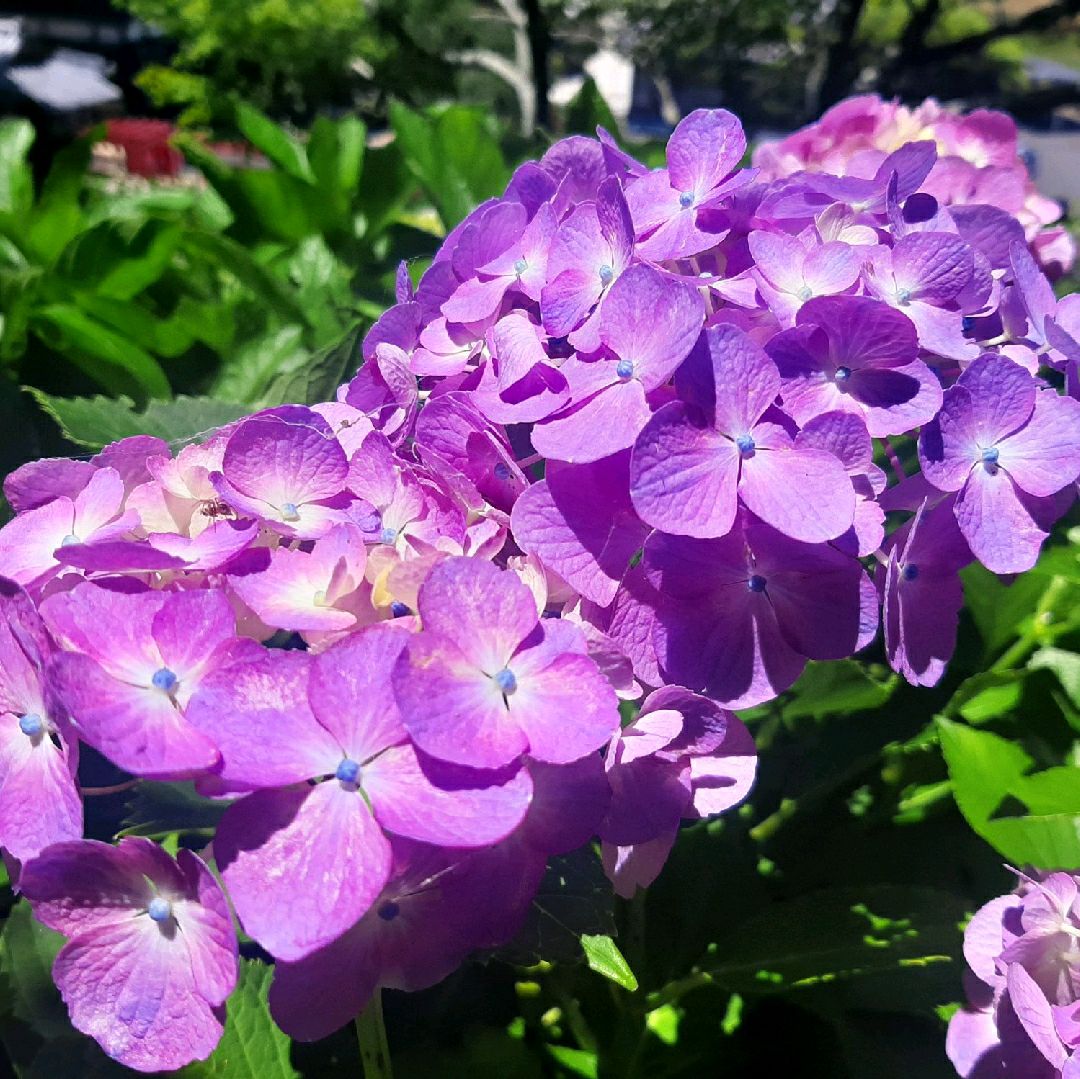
{"type": "Point", "coordinates": [723, 778]}
{"type": "Point", "coordinates": [302, 865]}
{"type": "Point", "coordinates": [476, 300]}
{"type": "Point", "coordinates": [684, 475]}
{"type": "Point", "coordinates": [1033, 1010]}
{"type": "Point", "coordinates": [189, 628]}
{"type": "Point", "coordinates": [826, 507]}
{"type": "Point", "coordinates": [350, 691]}
{"type": "Point", "coordinates": [257, 712]}
{"type": "Point", "coordinates": [445, 805]}
{"type": "Point", "coordinates": [567, 300]}
{"type": "Point", "coordinates": [39, 801]}
{"type": "Point", "coordinates": [129, 987]}
{"type": "Point", "coordinates": [138, 728]}
{"type": "Point", "coordinates": [566, 710]}
{"type": "Point", "coordinates": [704, 147]}
{"type": "Point", "coordinates": [452, 709]}
{"type": "Point", "coordinates": [638, 865]}
{"type": "Point", "coordinates": [607, 422]}
{"type": "Point", "coordinates": [208, 930]}
{"type": "Point", "coordinates": [487, 611]}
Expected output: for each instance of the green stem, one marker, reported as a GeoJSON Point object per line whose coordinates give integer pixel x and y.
{"type": "Point", "coordinates": [371, 1034]}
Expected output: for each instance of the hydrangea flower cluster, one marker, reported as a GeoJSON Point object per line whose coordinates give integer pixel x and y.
{"type": "Point", "coordinates": [1023, 985]}
{"type": "Point", "coordinates": [620, 441]}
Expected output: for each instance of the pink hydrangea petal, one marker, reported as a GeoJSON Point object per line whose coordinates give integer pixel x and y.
{"type": "Point", "coordinates": [684, 475]}
{"type": "Point", "coordinates": [129, 988]}
{"type": "Point", "coordinates": [450, 807]}
{"type": "Point", "coordinates": [208, 930]}
{"type": "Point", "coordinates": [139, 728]}
{"type": "Point", "coordinates": [302, 865]}
{"type": "Point", "coordinates": [452, 709]}
{"type": "Point", "coordinates": [827, 507]}
{"type": "Point", "coordinates": [487, 611]}
{"type": "Point", "coordinates": [350, 691]}
{"type": "Point", "coordinates": [188, 629]}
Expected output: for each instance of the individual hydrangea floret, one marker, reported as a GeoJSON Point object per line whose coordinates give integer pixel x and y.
{"type": "Point", "coordinates": [151, 954]}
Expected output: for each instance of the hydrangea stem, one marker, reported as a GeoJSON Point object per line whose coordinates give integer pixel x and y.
{"type": "Point", "coordinates": [371, 1034]}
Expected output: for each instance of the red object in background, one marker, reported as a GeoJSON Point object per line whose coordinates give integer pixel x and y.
{"type": "Point", "coordinates": [146, 146]}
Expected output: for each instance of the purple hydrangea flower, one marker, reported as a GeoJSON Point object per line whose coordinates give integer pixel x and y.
{"type": "Point", "coordinates": [93, 515]}
{"type": "Point", "coordinates": [151, 954]}
{"type": "Point", "coordinates": [855, 354]}
{"type": "Point", "coordinates": [737, 618]}
{"type": "Point", "coordinates": [923, 594]}
{"type": "Point", "coordinates": [487, 681]}
{"type": "Point", "coordinates": [691, 466]}
{"type": "Point", "coordinates": [39, 799]}
{"type": "Point", "coordinates": [682, 757]}
{"type": "Point", "coordinates": [674, 208]}
{"type": "Point", "coordinates": [1004, 445]}
{"type": "Point", "coordinates": [134, 661]}
{"type": "Point", "coordinates": [285, 719]}
{"type": "Point", "coordinates": [285, 468]}
{"type": "Point", "coordinates": [648, 324]}
{"type": "Point", "coordinates": [1023, 951]}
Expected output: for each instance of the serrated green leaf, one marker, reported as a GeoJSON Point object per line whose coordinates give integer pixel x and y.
{"type": "Point", "coordinates": [252, 1046]}
{"type": "Point", "coordinates": [838, 934]}
{"type": "Point", "coordinates": [603, 955]}
{"type": "Point", "coordinates": [94, 422]}
{"type": "Point", "coordinates": [318, 378]}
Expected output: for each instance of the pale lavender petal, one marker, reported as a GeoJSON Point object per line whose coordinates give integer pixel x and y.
{"type": "Point", "coordinates": [1044, 455]}
{"type": "Point", "coordinates": [604, 424]}
{"type": "Point", "coordinates": [999, 527]}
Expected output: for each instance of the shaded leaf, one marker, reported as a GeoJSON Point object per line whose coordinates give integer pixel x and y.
{"type": "Point", "coordinates": [160, 809]}
{"type": "Point", "coordinates": [603, 955]}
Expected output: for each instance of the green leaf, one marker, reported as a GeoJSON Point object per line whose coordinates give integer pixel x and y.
{"type": "Point", "coordinates": [987, 695]}
{"type": "Point", "coordinates": [986, 770]}
{"type": "Point", "coordinates": [997, 608]}
{"type": "Point", "coordinates": [251, 371]}
{"type": "Point", "coordinates": [1055, 790]}
{"type": "Point", "coordinates": [1066, 665]}
{"type": "Point", "coordinates": [574, 900]}
{"type": "Point", "coordinates": [838, 688]}
{"type": "Point", "coordinates": [576, 1061]}
{"type": "Point", "coordinates": [274, 141]}
{"type": "Point", "coordinates": [453, 154]}
{"type": "Point", "coordinates": [320, 376]}
{"type": "Point", "coordinates": [252, 1046]}
{"type": "Point", "coordinates": [839, 933]}
{"type": "Point", "coordinates": [16, 180]}
{"type": "Point", "coordinates": [58, 215]}
{"type": "Point", "coordinates": [159, 809]}
{"type": "Point", "coordinates": [96, 421]}
{"type": "Point", "coordinates": [603, 955]}
{"type": "Point", "coordinates": [90, 343]}
{"type": "Point", "coordinates": [588, 110]}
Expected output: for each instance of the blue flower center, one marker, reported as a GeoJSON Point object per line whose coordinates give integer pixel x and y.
{"type": "Point", "coordinates": [625, 369]}
{"type": "Point", "coordinates": [745, 444]}
{"type": "Point", "coordinates": [399, 609]}
{"type": "Point", "coordinates": [502, 471]}
{"type": "Point", "coordinates": [967, 323]}
{"type": "Point", "coordinates": [520, 267]}
{"type": "Point", "coordinates": [756, 583]}
{"type": "Point", "coordinates": [804, 293]}
{"type": "Point", "coordinates": [164, 679]}
{"type": "Point", "coordinates": [686, 199]}
{"type": "Point", "coordinates": [606, 274]}
{"type": "Point", "coordinates": [31, 724]}
{"type": "Point", "coordinates": [347, 771]}
{"type": "Point", "coordinates": [387, 535]}
{"type": "Point", "coordinates": [903, 296]}
{"type": "Point", "coordinates": [505, 680]}
{"type": "Point", "coordinates": [159, 909]}
{"type": "Point", "coordinates": [990, 456]}
{"type": "Point", "coordinates": [910, 571]}
{"type": "Point", "coordinates": [842, 374]}
{"type": "Point", "coordinates": [389, 911]}
{"type": "Point", "coordinates": [69, 539]}
{"type": "Point", "coordinates": [289, 511]}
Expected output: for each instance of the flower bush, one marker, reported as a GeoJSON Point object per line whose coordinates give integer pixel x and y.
{"type": "Point", "coordinates": [660, 436]}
